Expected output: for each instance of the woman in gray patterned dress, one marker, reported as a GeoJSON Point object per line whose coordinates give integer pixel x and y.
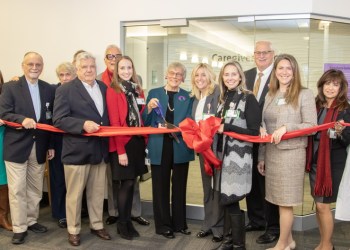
{"type": "Point", "coordinates": [288, 107]}
{"type": "Point", "coordinates": [240, 113]}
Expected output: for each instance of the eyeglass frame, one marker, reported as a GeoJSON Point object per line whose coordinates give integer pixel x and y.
{"type": "Point", "coordinates": [113, 56]}
{"type": "Point", "coordinates": [263, 53]}
{"type": "Point", "coordinates": [175, 74]}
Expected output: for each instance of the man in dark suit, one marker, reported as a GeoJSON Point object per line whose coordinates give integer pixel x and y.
{"type": "Point", "coordinates": [26, 101]}
{"type": "Point", "coordinates": [261, 213]}
{"type": "Point", "coordinates": [80, 107]}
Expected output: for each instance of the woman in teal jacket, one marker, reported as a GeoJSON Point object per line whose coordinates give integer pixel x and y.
{"type": "Point", "coordinates": [168, 153]}
{"type": "Point", "coordinates": [4, 195]}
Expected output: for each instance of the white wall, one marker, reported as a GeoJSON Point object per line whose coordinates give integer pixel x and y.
{"type": "Point", "coordinates": [56, 29]}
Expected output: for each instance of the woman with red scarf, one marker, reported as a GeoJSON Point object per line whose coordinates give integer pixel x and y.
{"type": "Point", "coordinates": [327, 150]}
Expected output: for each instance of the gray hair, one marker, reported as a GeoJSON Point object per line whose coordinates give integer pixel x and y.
{"type": "Point", "coordinates": [83, 56]}
{"type": "Point", "coordinates": [66, 66]}
{"type": "Point", "coordinates": [112, 46]}
{"type": "Point", "coordinates": [174, 65]}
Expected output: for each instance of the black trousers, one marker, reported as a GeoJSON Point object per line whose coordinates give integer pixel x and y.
{"type": "Point", "coordinates": [260, 211]}
{"type": "Point", "coordinates": [57, 182]}
{"type": "Point", "coordinates": [165, 177]}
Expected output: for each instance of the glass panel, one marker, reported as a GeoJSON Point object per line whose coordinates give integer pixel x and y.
{"type": "Point", "coordinates": [216, 41]}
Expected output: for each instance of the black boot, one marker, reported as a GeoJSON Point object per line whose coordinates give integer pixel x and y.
{"type": "Point", "coordinates": [122, 229]}
{"type": "Point", "coordinates": [132, 229]}
{"type": "Point", "coordinates": [226, 243]}
{"type": "Point", "coordinates": [238, 231]}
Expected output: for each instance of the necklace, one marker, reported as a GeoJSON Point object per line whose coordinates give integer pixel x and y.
{"type": "Point", "coordinates": [166, 92]}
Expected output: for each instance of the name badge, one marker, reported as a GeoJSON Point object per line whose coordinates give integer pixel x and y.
{"type": "Point", "coordinates": [281, 101]}
{"type": "Point", "coordinates": [206, 116]}
{"type": "Point", "coordinates": [48, 115]}
{"type": "Point", "coordinates": [232, 113]}
{"type": "Point", "coordinates": [140, 101]}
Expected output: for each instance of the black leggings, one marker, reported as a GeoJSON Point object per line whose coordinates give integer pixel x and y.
{"type": "Point", "coordinates": [233, 208]}
{"type": "Point", "coordinates": [124, 199]}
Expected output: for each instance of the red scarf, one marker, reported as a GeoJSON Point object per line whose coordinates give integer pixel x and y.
{"type": "Point", "coordinates": [107, 77]}
{"type": "Point", "coordinates": [323, 184]}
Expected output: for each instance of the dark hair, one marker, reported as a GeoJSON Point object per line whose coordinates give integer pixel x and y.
{"type": "Point", "coordinates": [333, 75]}
{"type": "Point", "coordinates": [116, 79]}
{"type": "Point", "coordinates": [1, 81]}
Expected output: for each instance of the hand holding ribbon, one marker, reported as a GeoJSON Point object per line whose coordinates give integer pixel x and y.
{"type": "Point", "coordinates": [200, 137]}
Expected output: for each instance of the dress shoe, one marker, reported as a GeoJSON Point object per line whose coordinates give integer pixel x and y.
{"type": "Point", "coordinates": [18, 238]}
{"type": "Point", "coordinates": [142, 221]}
{"type": "Point", "coordinates": [267, 238]}
{"type": "Point", "coordinates": [168, 234]}
{"type": "Point", "coordinates": [74, 239]}
{"type": "Point", "coordinates": [202, 234]}
{"type": "Point", "coordinates": [102, 233]}
{"type": "Point", "coordinates": [37, 228]}
{"type": "Point", "coordinates": [62, 223]}
{"type": "Point", "coordinates": [184, 231]}
{"type": "Point", "coordinates": [111, 220]}
{"type": "Point", "coordinates": [252, 227]}
{"type": "Point", "coordinates": [217, 238]}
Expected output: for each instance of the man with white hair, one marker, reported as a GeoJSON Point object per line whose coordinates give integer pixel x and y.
{"type": "Point", "coordinates": [80, 107]}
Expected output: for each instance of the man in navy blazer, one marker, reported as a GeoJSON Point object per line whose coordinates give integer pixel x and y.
{"type": "Point", "coordinates": [27, 101]}
{"type": "Point", "coordinates": [80, 107]}
{"type": "Point", "coordinates": [261, 213]}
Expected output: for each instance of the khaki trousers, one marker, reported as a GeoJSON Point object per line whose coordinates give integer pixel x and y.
{"type": "Point", "coordinates": [25, 183]}
{"type": "Point", "coordinates": [78, 177]}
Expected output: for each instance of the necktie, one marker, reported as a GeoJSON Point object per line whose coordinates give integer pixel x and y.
{"type": "Point", "coordinates": [257, 84]}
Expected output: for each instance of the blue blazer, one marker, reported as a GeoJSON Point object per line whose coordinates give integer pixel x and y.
{"type": "Point", "coordinates": [15, 105]}
{"type": "Point", "coordinates": [182, 110]}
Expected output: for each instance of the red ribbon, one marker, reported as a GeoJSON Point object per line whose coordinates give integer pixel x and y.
{"type": "Point", "coordinates": [197, 136]}
{"type": "Point", "coordinates": [200, 138]}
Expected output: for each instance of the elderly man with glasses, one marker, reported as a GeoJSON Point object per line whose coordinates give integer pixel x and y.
{"type": "Point", "coordinates": [112, 53]}
{"type": "Point", "coordinates": [262, 214]}
{"type": "Point", "coordinates": [27, 101]}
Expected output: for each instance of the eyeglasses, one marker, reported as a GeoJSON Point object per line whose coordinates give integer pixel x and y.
{"type": "Point", "coordinates": [175, 74]}
{"type": "Point", "coordinates": [32, 65]}
{"type": "Point", "coordinates": [262, 53]}
{"type": "Point", "coordinates": [113, 56]}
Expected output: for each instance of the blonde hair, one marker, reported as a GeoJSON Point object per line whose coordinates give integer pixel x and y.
{"type": "Point", "coordinates": [241, 86]}
{"type": "Point", "coordinates": [210, 77]}
{"type": "Point", "coordinates": [292, 94]}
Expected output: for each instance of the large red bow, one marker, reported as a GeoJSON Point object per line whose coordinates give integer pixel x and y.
{"type": "Point", "coordinates": [200, 138]}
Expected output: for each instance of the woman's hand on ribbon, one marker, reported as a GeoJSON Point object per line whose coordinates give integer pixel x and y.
{"type": "Point", "coordinates": [220, 129]}
{"type": "Point", "coordinates": [277, 134]}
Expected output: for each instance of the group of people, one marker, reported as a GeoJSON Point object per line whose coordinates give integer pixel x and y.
{"type": "Point", "coordinates": [266, 100]}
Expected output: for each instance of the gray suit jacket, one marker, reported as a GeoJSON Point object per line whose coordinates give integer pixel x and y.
{"type": "Point", "coordinates": [212, 99]}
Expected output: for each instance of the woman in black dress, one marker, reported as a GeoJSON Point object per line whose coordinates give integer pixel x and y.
{"type": "Point", "coordinates": [327, 150]}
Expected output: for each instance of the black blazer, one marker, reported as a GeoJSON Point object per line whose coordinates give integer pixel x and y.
{"type": "Point", "coordinates": [16, 105]}
{"type": "Point", "coordinates": [73, 106]}
{"type": "Point", "coordinates": [250, 80]}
